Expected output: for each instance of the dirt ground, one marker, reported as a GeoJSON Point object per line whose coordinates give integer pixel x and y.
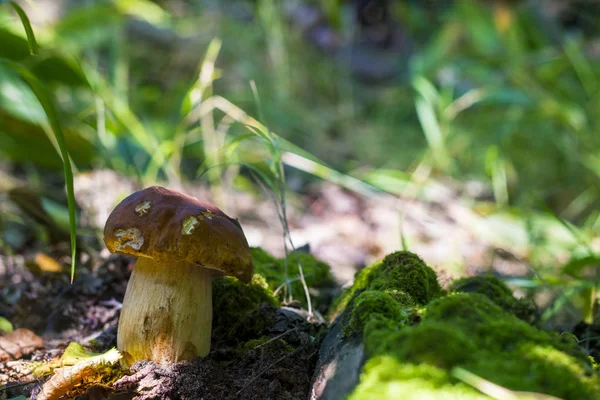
{"type": "Point", "coordinates": [87, 312]}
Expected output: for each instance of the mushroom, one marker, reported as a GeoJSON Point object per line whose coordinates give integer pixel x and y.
{"type": "Point", "coordinates": [180, 243]}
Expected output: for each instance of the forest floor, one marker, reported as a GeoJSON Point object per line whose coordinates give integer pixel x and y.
{"type": "Point", "coordinates": [346, 230]}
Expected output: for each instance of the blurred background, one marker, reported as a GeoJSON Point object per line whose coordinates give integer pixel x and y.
{"type": "Point", "coordinates": [466, 131]}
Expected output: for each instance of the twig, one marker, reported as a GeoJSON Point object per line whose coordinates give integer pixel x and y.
{"type": "Point", "coordinates": [7, 386]}
{"type": "Point", "coordinates": [275, 338]}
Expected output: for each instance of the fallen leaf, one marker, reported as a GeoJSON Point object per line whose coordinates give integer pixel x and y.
{"type": "Point", "coordinates": [47, 263]}
{"type": "Point", "coordinates": [5, 325]}
{"type": "Point", "coordinates": [19, 343]}
{"type": "Point", "coordinates": [66, 378]}
{"type": "Point", "coordinates": [73, 354]}
{"type": "Point", "coordinates": [42, 263]}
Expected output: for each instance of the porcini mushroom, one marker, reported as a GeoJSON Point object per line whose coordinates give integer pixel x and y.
{"type": "Point", "coordinates": [179, 242]}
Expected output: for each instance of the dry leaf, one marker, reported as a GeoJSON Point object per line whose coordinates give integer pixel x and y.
{"type": "Point", "coordinates": [66, 378]}
{"type": "Point", "coordinates": [19, 343]}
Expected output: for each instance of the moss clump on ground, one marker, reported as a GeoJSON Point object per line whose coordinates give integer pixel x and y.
{"type": "Point", "coordinates": [468, 330]}
{"type": "Point", "coordinates": [373, 303]}
{"type": "Point", "coordinates": [402, 274]}
{"type": "Point", "coordinates": [241, 311]}
{"type": "Point", "coordinates": [407, 272]}
{"type": "Point", "coordinates": [386, 377]}
{"type": "Point", "coordinates": [497, 291]}
{"type": "Point", "coordinates": [316, 273]}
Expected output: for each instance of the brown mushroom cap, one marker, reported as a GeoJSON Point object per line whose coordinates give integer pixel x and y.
{"type": "Point", "coordinates": [168, 227]}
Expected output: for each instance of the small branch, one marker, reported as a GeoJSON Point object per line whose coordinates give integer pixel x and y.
{"type": "Point", "coordinates": [275, 338]}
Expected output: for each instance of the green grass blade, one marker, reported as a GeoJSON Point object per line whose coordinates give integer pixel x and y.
{"type": "Point", "coordinates": [48, 105]}
{"type": "Point", "coordinates": [33, 46]}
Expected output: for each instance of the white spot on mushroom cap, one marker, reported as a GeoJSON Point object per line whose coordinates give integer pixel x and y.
{"type": "Point", "coordinates": [143, 208]}
{"type": "Point", "coordinates": [189, 224]}
{"type": "Point", "coordinates": [131, 237]}
{"type": "Point", "coordinates": [207, 214]}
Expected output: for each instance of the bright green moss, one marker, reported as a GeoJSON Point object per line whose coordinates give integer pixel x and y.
{"type": "Point", "coordinates": [470, 331]}
{"type": "Point", "coordinates": [241, 311]}
{"type": "Point", "coordinates": [421, 344]}
{"type": "Point", "coordinates": [261, 259]}
{"type": "Point", "coordinates": [370, 304]}
{"type": "Point", "coordinates": [452, 309]}
{"type": "Point", "coordinates": [377, 331]}
{"type": "Point", "coordinates": [533, 367]}
{"type": "Point", "coordinates": [401, 297]}
{"type": "Point", "coordinates": [595, 365]}
{"type": "Point", "coordinates": [402, 274]}
{"type": "Point", "coordinates": [362, 280]}
{"type": "Point", "coordinates": [316, 273]}
{"type": "Point", "coordinates": [497, 291]}
{"type": "Point", "coordinates": [407, 272]}
{"type": "Point", "coordinates": [386, 377]}
{"type": "Point", "coordinates": [475, 328]}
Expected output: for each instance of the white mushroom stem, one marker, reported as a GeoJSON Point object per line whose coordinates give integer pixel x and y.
{"type": "Point", "coordinates": [167, 312]}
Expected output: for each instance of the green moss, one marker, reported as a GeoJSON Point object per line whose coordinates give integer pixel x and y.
{"type": "Point", "coordinates": [386, 377]}
{"type": "Point", "coordinates": [497, 291]}
{"type": "Point", "coordinates": [452, 309]}
{"type": "Point", "coordinates": [401, 274]}
{"type": "Point", "coordinates": [370, 304]}
{"type": "Point", "coordinates": [377, 332]}
{"type": "Point", "coordinates": [421, 344]}
{"type": "Point", "coordinates": [401, 297]}
{"type": "Point", "coordinates": [316, 273]}
{"type": "Point", "coordinates": [261, 258]}
{"type": "Point", "coordinates": [240, 311]}
{"type": "Point", "coordinates": [362, 280]}
{"type": "Point", "coordinates": [407, 272]}
{"type": "Point", "coordinates": [470, 331]}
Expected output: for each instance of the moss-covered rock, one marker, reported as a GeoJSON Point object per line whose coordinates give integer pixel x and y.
{"type": "Point", "coordinates": [497, 291]}
{"type": "Point", "coordinates": [402, 274]}
{"type": "Point", "coordinates": [415, 336]}
{"type": "Point", "coordinates": [316, 273]}
{"type": "Point", "coordinates": [468, 330]}
{"type": "Point", "coordinates": [241, 311]}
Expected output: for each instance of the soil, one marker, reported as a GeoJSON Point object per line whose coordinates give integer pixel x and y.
{"type": "Point", "coordinates": [279, 366]}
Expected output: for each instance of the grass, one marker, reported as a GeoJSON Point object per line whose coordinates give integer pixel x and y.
{"type": "Point", "coordinates": [498, 100]}
{"type": "Point", "coordinates": [47, 103]}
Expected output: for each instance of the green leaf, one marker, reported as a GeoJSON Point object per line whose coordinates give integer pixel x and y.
{"type": "Point", "coordinates": [576, 265]}
{"type": "Point", "coordinates": [75, 353]}
{"type": "Point", "coordinates": [33, 46]}
{"type": "Point", "coordinates": [48, 105]}
{"type": "Point", "coordinates": [5, 325]}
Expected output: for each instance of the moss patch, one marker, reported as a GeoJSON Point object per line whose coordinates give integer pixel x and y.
{"type": "Point", "coordinates": [470, 331]}
{"type": "Point", "coordinates": [403, 275]}
{"type": "Point", "coordinates": [241, 312]}
{"type": "Point", "coordinates": [386, 377]}
{"type": "Point", "coordinates": [407, 272]}
{"type": "Point", "coordinates": [497, 291]}
{"type": "Point", "coordinates": [316, 273]}
{"type": "Point", "coordinates": [370, 304]}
